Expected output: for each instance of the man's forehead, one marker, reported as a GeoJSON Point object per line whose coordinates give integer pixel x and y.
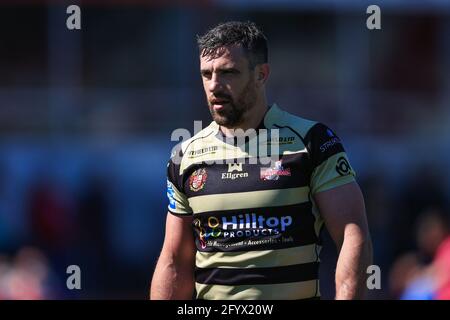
{"type": "Point", "coordinates": [228, 55]}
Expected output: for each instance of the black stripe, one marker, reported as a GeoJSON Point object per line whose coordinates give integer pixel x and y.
{"type": "Point", "coordinates": [244, 276]}
{"type": "Point", "coordinates": [320, 143]}
{"type": "Point", "coordinates": [219, 182]}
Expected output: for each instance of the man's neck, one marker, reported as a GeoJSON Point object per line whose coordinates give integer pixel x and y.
{"type": "Point", "coordinates": [251, 120]}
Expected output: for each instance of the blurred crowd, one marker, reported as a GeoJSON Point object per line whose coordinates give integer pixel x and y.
{"type": "Point", "coordinates": [88, 219]}
{"type": "Point", "coordinates": [57, 228]}
{"type": "Point", "coordinates": [26, 275]}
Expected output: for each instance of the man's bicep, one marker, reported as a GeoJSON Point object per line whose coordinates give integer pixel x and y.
{"type": "Point", "coordinates": [343, 211]}
{"type": "Point", "coordinates": [179, 237]}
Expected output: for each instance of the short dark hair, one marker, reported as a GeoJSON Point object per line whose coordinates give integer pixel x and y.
{"type": "Point", "coordinates": [245, 34]}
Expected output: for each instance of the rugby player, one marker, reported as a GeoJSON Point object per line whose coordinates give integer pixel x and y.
{"type": "Point", "coordinates": [241, 230]}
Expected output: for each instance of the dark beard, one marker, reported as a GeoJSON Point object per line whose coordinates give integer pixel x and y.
{"type": "Point", "coordinates": [233, 114]}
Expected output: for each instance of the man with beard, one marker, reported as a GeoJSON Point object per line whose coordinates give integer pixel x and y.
{"type": "Point", "coordinates": [237, 229]}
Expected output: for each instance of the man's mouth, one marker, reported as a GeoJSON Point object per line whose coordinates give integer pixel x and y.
{"type": "Point", "coordinates": [218, 104]}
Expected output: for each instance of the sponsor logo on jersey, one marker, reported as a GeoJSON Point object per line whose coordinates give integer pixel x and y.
{"type": "Point", "coordinates": [202, 151]}
{"type": "Point", "coordinates": [330, 133]}
{"type": "Point", "coordinates": [329, 143]}
{"type": "Point", "coordinates": [274, 172]}
{"type": "Point", "coordinates": [281, 140]}
{"type": "Point", "coordinates": [343, 167]}
{"type": "Point", "coordinates": [234, 175]}
{"type": "Point", "coordinates": [197, 179]}
{"type": "Point", "coordinates": [170, 195]}
{"type": "Point", "coordinates": [249, 225]}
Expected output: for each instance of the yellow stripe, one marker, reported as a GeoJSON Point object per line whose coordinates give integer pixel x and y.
{"type": "Point", "coordinates": [257, 259]}
{"type": "Point", "coordinates": [326, 177]}
{"type": "Point", "coordinates": [281, 291]}
{"type": "Point", "coordinates": [251, 199]}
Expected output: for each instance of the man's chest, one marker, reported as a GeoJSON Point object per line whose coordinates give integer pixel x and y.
{"type": "Point", "coordinates": [240, 184]}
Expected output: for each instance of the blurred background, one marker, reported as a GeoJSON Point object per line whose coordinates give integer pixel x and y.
{"type": "Point", "coordinates": [86, 118]}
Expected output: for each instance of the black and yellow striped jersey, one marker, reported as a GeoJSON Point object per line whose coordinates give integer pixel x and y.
{"type": "Point", "coordinates": [256, 225]}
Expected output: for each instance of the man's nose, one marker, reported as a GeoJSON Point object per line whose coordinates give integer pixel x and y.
{"type": "Point", "coordinates": [215, 84]}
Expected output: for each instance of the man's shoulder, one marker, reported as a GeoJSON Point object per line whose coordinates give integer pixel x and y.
{"type": "Point", "coordinates": [200, 139]}
{"type": "Point", "coordinates": [302, 126]}
{"type": "Point", "coordinates": [196, 145]}
{"type": "Point", "coordinates": [310, 131]}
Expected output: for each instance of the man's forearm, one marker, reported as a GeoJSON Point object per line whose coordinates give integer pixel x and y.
{"type": "Point", "coordinates": [354, 258]}
{"type": "Point", "coordinates": [172, 281]}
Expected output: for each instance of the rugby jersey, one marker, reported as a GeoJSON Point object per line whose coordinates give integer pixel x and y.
{"type": "Point", "coordinates": [256, 225]}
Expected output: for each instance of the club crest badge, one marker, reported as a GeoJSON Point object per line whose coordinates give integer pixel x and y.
{"type": "Point", "coordinates": [197, 179]}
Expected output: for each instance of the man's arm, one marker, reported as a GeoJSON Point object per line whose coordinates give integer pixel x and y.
{"type": "Point", "coordinates": [344, 213]}
{"type": "Point", "coordinates": [174, 273]}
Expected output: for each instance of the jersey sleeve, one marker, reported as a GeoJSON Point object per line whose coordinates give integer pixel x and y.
{"type": "Point", "coordinates": [178, 202]}
{"type": "Point", "coordinates": [330, 165]}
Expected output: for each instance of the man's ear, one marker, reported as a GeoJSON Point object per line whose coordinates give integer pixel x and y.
{"type": "Point", "coordinates": [262, 73]}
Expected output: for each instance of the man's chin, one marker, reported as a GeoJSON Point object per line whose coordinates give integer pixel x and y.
{"type": "Point", "coordinates": [224, 119]}
{"type": "Point", "coordinates": [221, 121]}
